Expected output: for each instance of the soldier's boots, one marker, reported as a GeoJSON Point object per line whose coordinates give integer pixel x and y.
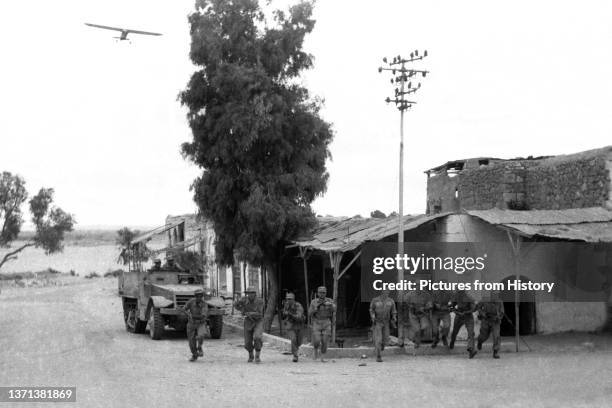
{"type": "Point", "coordinates": [193, 358]}
{"type": "Point", "coordinates": [200, 352]}
{"type": "Point", "coordinates": [295, 359]}
{"type": "Point", "coordinates": [479, 345]}
{"type": "Point", "coordinates": [257, 359]}
{"type": "Point", "coordinates": [323, 360]}
{"type": "Point", "coordinates": [472, 353]}
{"type": "Point", "coordinates": [452, 344]}
{"type": "Point", "coordinates": [495, 354]}
{"type": "Point", "coordinates": [251, 357]}
{"type": "Point", "coordinates": [434, 344]}
{"type": "Point", "coordinates": [444, 341]}
{"type": "Point", "coordinates": [315, 354]}
{"type": "Point", "coordinates": [378, 359]}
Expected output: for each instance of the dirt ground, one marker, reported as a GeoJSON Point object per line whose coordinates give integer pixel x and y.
{"type": "Point", "coordinates": [74, 336]}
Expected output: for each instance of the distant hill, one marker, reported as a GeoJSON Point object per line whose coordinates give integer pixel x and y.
{"type": "Point", "coordinates": [90, 237]}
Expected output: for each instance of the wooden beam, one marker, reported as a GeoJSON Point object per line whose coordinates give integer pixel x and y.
{"type": "Point", "coordinates": [349, 265]}
{"type": "Point", "coordinates": [515, 241]}
{"type": "Point", "coordinates": [335, 257]}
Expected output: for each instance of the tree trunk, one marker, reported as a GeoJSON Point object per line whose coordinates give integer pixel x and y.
{"type": "Point", "coordinates": [272, 275]}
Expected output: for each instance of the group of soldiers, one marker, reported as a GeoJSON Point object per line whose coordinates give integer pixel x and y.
{"type": "Point", "coordinates": [320, 314]}
{"type": "Point", "coordinates": [419, 310]}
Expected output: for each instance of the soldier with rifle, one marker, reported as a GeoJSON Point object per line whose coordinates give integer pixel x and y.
{"type": "Point", "coordinates": [490, 314]}
{"type": "Point", "coordinates": [196, 310]}
{"type": "Point", "coordinates": [321, 312]}
{"type": "Point", "coordinates": [383, 314]}
{"type": "Point", "coordinates": [463, 306]}
{"type": "Point", "coordinates": [293, 320]}
{"type": "Point", "coordinates": [252, 308]}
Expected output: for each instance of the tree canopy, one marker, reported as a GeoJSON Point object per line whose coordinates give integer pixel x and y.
{"type": "Point", "coordinates": [257, 133]}
{"type": "Point", "coordinates": [51, 223]}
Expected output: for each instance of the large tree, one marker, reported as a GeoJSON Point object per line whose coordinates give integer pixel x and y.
{"type": "Point", "coordinates": [51, 222]}
{"type": "Point", "coordinates": [257, 133]}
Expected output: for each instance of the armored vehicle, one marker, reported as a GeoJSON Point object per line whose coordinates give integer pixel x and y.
{"type": "Point", "coordinates": [154, 297]}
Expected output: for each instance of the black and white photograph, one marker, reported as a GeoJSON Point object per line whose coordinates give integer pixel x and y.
{"type": "Point", "coordinates": [306, 203]}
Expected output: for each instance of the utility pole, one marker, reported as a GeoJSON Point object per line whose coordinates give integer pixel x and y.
{"type": "Point", "coordinates": [403, 75]}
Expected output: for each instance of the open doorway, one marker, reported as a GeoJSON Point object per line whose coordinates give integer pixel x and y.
{"type": "Point", "coordinates": [526, 311]}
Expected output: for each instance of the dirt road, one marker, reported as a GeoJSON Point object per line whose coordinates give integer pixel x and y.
{"type": "Point", "coordinates": [74, 336]}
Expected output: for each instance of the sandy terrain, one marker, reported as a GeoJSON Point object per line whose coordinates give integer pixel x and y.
{"type": "Point", "coordinates": [74, 336]}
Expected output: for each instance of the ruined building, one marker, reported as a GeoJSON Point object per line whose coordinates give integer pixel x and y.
{"type": "Point", "coordinates": [578, 180]}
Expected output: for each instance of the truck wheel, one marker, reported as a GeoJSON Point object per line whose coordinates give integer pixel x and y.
{"type": "Point", "coordinates": [156, 324]}
{"type": "Point", "coordinates": [130, 316]}
{"type": "Point", "coordinates": [216, 326]}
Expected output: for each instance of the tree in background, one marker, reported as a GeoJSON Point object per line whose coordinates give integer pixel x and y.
{"type": "Point", "coordinates": [51, 223]}
{"type": "Point", "coordinates": [377, 214]}
{"type": "Point", "coordinates": [257, 133]}
{"type": "Point", "coordinates": [124, 239]}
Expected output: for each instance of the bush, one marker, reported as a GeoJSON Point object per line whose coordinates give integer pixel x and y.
{"type": "Point", "coordinates": [92, 275]}
{"type": "Point", "coordinates": [72, 272]}
{"type": "Point", "coordinates": [114, 273]}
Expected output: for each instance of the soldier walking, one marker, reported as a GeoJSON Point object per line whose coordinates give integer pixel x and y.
{"type": "Point", "coordinates": [252, 308]}
{"type": "Point", "coordinates": [440, 315]}
{"type": "Point", "coordinates": [321, 312]}
{"type": "Point", "coordinates": [293, 320]}
{"type": "Point", "coordinates": [196, 310]}
{"type": "Point", "coordinates": [417, 306]}
{"type": "Point", "coordinates": [490, 314]}
{"type": "Point", "coordinates": [383, 314]}
{"type": "Point", "coordinates": [463, 306]}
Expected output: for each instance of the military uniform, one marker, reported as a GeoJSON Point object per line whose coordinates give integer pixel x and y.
{"type": "Point", "coordinates": [463, 306]}
{"type": "Point", "coordinates": [382, 313]}
{"type": "Point", "coordinates": [321, 312]}
{"type": "Point", "coordinates": [416, 306]}
{"type": "Point", "coordinates": [293, 321]}
{"type": "Point", "coordinates": [197, 311]}
{"type": "Point", "coordinates": [253, 311]}
{"type": "Point", "coordinates": [491, 314]}
{"type": "Point", "coordinates": [440, 315]}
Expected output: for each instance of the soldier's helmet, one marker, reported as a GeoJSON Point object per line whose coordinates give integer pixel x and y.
{"type": "Point", "coordinates": [199, 292]}
{"type": "Point", "coordinates": [251, 289]}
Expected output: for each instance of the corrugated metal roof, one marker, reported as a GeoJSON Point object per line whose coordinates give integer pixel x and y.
{"type": "Point", "coordinates": [588, 232]}
{"type": "Point", "coordinates": [351, 233]}
{"type": "Point", "coordinates": [544, 217]}
{"type": "Point", "coordinates": [584, 224]}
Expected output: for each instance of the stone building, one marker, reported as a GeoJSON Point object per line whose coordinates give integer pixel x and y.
{"type": "Point", "coordinates": [578, 180]}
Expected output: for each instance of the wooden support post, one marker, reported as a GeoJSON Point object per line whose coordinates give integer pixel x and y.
{"type": "Point", "coordinates": [335, 258]}
{"type": "Point", "coordinates": [515, 241]}
{"type": "Point", "coordinates": [304, 254]}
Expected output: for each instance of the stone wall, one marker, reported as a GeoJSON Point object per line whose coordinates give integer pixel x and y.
{"type": "Point", "coordinates": [575, 181]}
{"type": "Point", "coordinates": [568, 181]}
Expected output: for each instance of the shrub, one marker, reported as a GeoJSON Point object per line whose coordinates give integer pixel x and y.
{"type": "Point", "coordinates": [92, 275]}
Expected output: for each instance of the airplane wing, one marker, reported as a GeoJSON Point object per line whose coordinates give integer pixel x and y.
{"type": "Point", "coordinates": [123, 30]}
{"type": "Point", "coordinates": [141, 32]}
{"type": "Point", "coordinates": [104, 27]}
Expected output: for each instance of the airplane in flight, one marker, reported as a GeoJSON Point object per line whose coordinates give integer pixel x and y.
{"type": "Point", "coordinates": [124, 31]}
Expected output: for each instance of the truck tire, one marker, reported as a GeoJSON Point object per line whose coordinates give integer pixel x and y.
{"type": "Point", "coordinates": [156, 324]}
{"type": "Point", "coordinates": [215, 324]}
{"type": "Point", "coordinates": [130, 316]}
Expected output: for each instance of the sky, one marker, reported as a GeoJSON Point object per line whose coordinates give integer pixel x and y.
{"type": "Point", "coordinates": [99, 121]}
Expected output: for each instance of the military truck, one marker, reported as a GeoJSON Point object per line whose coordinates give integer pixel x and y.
{"type": "Point", "coordinates": [154, 297]}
